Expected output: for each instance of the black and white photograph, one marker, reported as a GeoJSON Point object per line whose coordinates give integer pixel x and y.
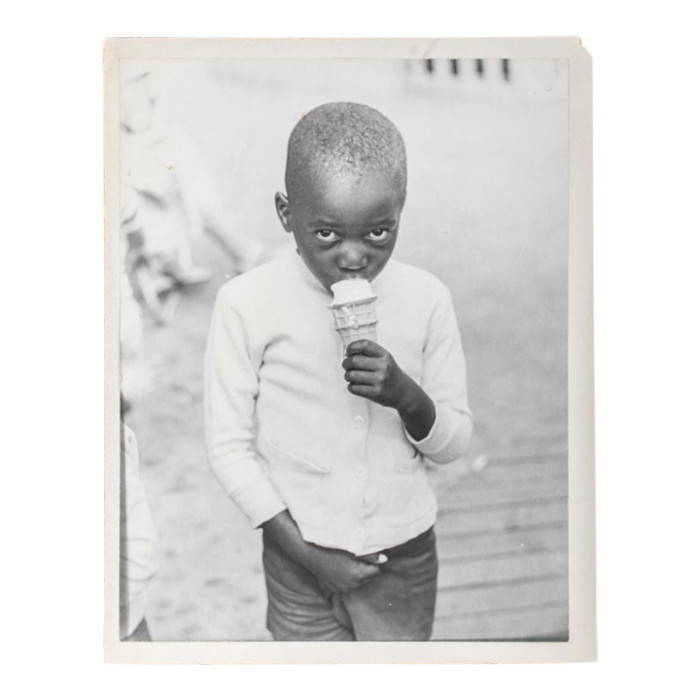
{"type": "Point", "coordinates": [342, 295]}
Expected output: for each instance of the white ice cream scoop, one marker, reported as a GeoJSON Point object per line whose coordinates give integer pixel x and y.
{"type": "Point", "coordinates": [350, 291]}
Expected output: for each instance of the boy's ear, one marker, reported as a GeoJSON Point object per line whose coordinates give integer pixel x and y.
{"type": "Point", "coordinates": [282, 207]}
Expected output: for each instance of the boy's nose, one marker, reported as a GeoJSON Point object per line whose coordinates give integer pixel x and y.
{"type": "Point", "coordinates": [353, 259]}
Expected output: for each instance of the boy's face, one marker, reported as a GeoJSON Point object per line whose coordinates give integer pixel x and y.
{"type": "Point", "coordinates": [343, 228]}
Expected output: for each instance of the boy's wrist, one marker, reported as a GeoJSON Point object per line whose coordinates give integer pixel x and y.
{"type": "Point", "coordinates": [417, 411]}
{"type": "Point", "coordinates": [414, 400]}
{"type": "Point", "coordinates": [285, 532]}
{"type": "Point", "coordinates": [308, 556]}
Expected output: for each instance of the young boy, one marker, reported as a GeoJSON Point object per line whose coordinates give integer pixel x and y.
{"type": "Point", "coordinates": [329, 460]}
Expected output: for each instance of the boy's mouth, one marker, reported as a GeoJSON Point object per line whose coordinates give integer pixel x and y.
{"type": "Point", "coordinates": [353, 274]}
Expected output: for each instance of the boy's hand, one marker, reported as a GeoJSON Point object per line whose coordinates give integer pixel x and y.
{"type": "Point", "coordinates": [336, 570]}
{"type": "Point", "coordinates": [341, 572]}
{"type": "Point", "coordinates": [372, 372]}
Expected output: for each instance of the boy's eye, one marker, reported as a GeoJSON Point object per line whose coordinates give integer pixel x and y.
{"type": "Point", "coordinates": [326, 236]}
{"type": "Point", "coordinates": [379, 235]}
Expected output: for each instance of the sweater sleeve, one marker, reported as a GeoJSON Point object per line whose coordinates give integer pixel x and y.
{"type": "Point", "coordinates": [231, 381]}
{"type": "Point", "coordinates": [444, 379]}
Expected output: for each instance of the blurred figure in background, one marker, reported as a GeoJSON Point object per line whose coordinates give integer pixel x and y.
{"type": "Point", "coordinates": [138, 555]}
{"type": "Point", "coordinates": [131, 323]}
{"type": "Point", "coordinates": [138, 548]}
{"type": "Point", "coordinates": [176, 201]}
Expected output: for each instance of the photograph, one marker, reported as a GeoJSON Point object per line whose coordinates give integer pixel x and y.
{"type": "Point", "coordinates": [342, 289]}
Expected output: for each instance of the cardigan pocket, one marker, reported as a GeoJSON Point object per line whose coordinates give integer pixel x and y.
{"type": "Point", "coordinates": [412, 499]}
{"type": "Point", "coordinates": [303, 486]}
{"type": "Point", "coordinates": [297, 461]}
{"type": "Point", "coordinates": [408, 465]}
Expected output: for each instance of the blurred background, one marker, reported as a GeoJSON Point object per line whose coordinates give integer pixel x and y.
{"type": "Point", "coordinates": [203, 149]}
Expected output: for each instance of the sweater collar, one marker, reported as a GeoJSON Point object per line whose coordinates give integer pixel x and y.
{"type": "Point", "coordinates": [306, 274]}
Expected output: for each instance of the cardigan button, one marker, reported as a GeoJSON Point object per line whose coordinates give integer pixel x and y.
{"type": "Point", "coordinates": [359, 421]}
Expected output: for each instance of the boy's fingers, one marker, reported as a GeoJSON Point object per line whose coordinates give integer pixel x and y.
{"type": "Point", "coordinates": [359, 377]}
{"type": "Point", "coordinates": [367, 391]}
{"type": "Point", "coordinates": [360, 362]}
{"type": "Point", "coordinates": [365, 347]}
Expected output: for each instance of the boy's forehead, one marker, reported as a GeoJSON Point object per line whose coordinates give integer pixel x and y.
{"type": "Point", "coordinates": [322, 185]}
{"type": "Point", "coordinates": [343, 201]}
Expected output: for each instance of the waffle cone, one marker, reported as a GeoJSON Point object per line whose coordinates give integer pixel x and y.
{"type": "Point", "coordinates": [356, 321]}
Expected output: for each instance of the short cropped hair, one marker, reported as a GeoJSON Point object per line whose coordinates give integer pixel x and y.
{"type": "Point", "coordinates": [345, 138]}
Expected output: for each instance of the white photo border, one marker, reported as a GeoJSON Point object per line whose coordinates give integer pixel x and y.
{"type": "Point", "coordinates": [582, 643]}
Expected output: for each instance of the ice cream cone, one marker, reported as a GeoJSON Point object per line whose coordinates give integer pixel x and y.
{"type": "Point", "coordinates": [354, 311]}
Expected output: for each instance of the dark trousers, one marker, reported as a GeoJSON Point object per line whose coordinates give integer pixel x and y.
{"type": "Point", "coordinates": [398, 604]}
